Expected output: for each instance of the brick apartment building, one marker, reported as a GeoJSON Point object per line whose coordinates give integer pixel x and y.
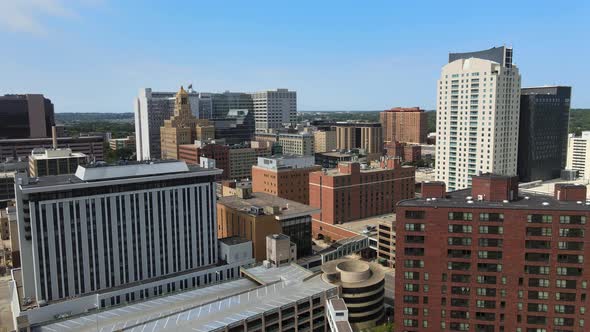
{"type": "Point", "coordinates": [407, 152]}
{"type": "Point", "coordinates": [404, 125]}
{"type": "Point", "coordinates": [284, 176]}
{"type": "Point", "coordinates": [352, 192]}
{"type": "Point", "coordinates": [488, 259]}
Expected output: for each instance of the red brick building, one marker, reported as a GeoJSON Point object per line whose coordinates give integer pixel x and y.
{"type": "Point", "coordinates": [284, 176]}
{"type": "Point", "coordinates": [488, 259]}
{"type": "Point", "coordinates": [352, 192]}
{"type": "Point", "coordinates": [191, 154]}
{"type": "Point", "coordinates": [404, 125]}
{"type": "Point", "coordinates": [407, 152]}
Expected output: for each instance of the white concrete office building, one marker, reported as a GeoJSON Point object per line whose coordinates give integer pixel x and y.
{"type": "Point", "coordinates": [274, 108]}
{"type": "Point", "coordinates": [112, 226]}
{"type": "Point", "coordinates": [478, 102]}
{"type": "Point", "coordinates": [578, 154]}
{"type": "Point", "coordinates": [152, 108]}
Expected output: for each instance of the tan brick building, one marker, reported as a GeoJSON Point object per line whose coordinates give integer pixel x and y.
{"type": "Point", "coordinates": [404, 125]}
{"type": "Point", "coordinates": [360, 135]}
{"type": "Point", "coordinates": [254, 216]}
{"type": "Point", "coordinates": [181, 128]}
{"type": "Point", "coordinates": [324, 140]}
{"type": "Point", "coordinates": [284, 176]}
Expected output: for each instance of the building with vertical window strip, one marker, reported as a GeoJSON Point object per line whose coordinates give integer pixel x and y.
{"type": "Point", "coordinates": [477, 116]}
{"type": "Point", "coordinates": [117, 234]}
{"type": "Point", "coordinates": [488, 259]}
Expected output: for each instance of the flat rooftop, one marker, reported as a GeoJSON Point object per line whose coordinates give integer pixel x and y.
{"type": "Point", "coordinates": [95, 174]}
{"type": "Point", "coordinates": [338, 304]}
{"type": "Point", "coordinates": [233, 240]}
{"type": "Point", "coordinates": [547, 187]}
{"type": "Point", "coordinates": [204, 309]}
{"type": "Point", "coordinates": [288, 209]}
{"type": "Point", "coordinates": [336, 154]}
{"type": "Point", "coordinates": [359, 226]}
{"type": "Point", "coordinates": [525, 201]}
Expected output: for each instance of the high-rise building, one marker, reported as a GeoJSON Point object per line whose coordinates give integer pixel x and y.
{"type": "Point", "coordinates": [404, 124]}
{"type": "Point", "coordinates": [284, 176]}
{"type": "Point", "coordinates": [324, 140]}
{"type": "Point", "coordinates": [489, 259]}
{"type": "Point", "coordinates": [236, 127]}
{"type": "Point", "coordinates": [274, 109]}
{"type": "Point", "coordinates": [542, 136]}
{"type": "Point", "coordinates": [578, 154]}
{"type": "Point", "coordinates": [352, 192]}
{"type": "Point", "coordinates": [478, 102]}
{"type": "Point", "coordinates": [152, 108]}
{"type": "Point", "coordinates": [181, 128]}
{"type": "Point", "coordinates": [113, 231]}
{"type": "Point", "coordinates": [227, 101]}
{"type": "Point", "coordinates": [301, 144]}
{"type": "Point", "coordinates": [360, 135]}
{"type": "Point", "coordinates": [254, 216]}
{"type": "Point", "coordinates": [26, 116]}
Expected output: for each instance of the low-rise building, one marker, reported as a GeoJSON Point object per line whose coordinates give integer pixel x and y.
{"type": "Point", "coordinates": [324, 140]}
{"type": "Point", "coordinates": [338, 315]}
{"type": "Point", "coordinates": [280, 250]}
{"type": "Point", "coordinates": [91, 146]}
{"type": "Point", "coordinates": [361, 286]}
{"type": "Point", "coordinates": [386, 241]}
{"type": "Point", "coordinates": [408, 153]}
{"type": "Point", "coordinates": [255, 216]}
{"type": "Point", "coordinates": [284, 176]}
{"type": "Point", "coordinates": [353, 192]}
{"type": "Point", "coordinates": [122, 143]}
{"type": "Point", "coordinates": [45, 162]}
{"type": "Point", "coordinates": [332, 159]}
{"type": "Point", "coordinates": [301, 144]}
{"type": "Point", "coordinates": [286, 298]}
{"type": "Point", "coordinates": [241, 160]}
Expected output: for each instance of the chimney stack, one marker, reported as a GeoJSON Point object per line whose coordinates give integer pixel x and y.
{"type": "Point", "coordinates": [569, 192]}
{"type": "Point", "coordinates": [54, 136]}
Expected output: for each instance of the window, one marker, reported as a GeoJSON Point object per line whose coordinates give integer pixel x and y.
{"type": "Point", "coordinates": [466, 216]}
{"type": "Point", "coordinates": [491, 217]}
{"type": "Point", "coordinates": [415, 214]}
{"type": "Point", "coordinates": [415, 227]}
{"type": "Point", "coordinates": [577, 220]}
{"type": "Point", "coordinates": [539, 218]}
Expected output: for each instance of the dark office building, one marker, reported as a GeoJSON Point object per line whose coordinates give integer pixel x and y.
{"type": "Point", "coordinates": [542, 138]}
{"type": "Point", "coordinates": [236, 127]}
{"type": "Point", "coordinates": [25, 116]}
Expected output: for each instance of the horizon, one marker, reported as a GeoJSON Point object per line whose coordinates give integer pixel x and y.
{"type": "Point", "coordinates": [95, 55]}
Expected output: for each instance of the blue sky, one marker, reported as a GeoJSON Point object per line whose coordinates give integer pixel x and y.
{"type": "Point", "coordinates": [94, 55]}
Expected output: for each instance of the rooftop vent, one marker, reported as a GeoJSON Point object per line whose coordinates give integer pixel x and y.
{"type": "Point", "coordinates": [505, 201]}
{"type": "Point", "coordinates": [469, 202]}
{"type": "Point", "coordinates": [526, 197]}
{"type": "Point", "coordinates": [545, 204]}
{"type": "Point", "coordinates": [469, 198]}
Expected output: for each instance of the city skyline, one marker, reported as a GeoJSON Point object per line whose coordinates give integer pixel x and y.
{"type": "Point", "coordinates": [335, 57]}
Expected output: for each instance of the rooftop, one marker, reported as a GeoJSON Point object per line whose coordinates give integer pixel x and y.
{"type": "Point", "coordinates": [41, 154]}
{"type": "Point", "coordinates": [525, 201]}
{"type": "Point", "coordinates": [288, 209]}
{"type": "Point", "coordinates": [93, 175]}
{"type": "Point", "coordinates": [547, 187]}
{"type": "Point", "coordinates": [338, 304]}
{"type": "Point", "coordinates": [205, 309]}
{"type": "Point", "coordinates": [233, 240]}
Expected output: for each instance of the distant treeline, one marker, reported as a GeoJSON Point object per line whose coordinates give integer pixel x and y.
{"type": "Point", "coordinates": [88, 117]}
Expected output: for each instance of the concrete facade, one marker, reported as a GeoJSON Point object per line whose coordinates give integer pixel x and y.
{"type": "Point", "coordinates": [578, 154]}
{"type": "Point", "coordinates": [478, 104]}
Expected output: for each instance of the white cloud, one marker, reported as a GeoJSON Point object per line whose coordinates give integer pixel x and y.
{"type": "Point", "coordinates": [28, 15]}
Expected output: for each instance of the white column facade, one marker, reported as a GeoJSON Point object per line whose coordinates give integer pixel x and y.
{"type": "Point", "coordinates": [85, 244]}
